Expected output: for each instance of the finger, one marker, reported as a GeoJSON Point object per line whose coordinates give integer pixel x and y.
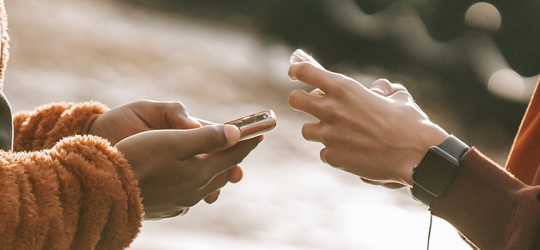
{"type": "Point", "coordinates": [317, 92]}
{"type": "Point", "coordinates": [163, 115]}
{"type": "Point", "coordinates": [177, 116]}
{"type": "Point", "coordinates": [312, 131]}
{"type": "Point", "coordinates": [236, 174]}
{"type": "Point", "coordinates": [382, 87]}
{"type": "Point", "coordinates": [205, 139]}
{"type": "Point", "coordinates": [402, 97]}
{"type": "Point", "coordinates": [221, 161]}
{"type": "Point", "coordinates": [301, 100]}
{"type": "Point", "coordinates": [386, 88]}
{"type": "Point", "coordinates": [205, 122]}
{"type": "Point", "coordinates": [398, 87]}
{"type": "Point", "coordinates": [215, 184]}
{"type": "Point", "coordinates": [174, 213]}
{"type": "Point", "coordinates": [310, 74]}
{"type": "Point", "coordinates": [323, 154]}
{"type": "Point", "coordinates": [212, 197]}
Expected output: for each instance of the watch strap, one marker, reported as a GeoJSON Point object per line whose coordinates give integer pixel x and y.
{"type": "Point", "coordinates": [454, 147]}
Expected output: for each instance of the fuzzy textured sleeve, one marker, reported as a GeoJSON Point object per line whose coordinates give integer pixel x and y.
{"type": "Point", "coordinates": [46, 125]}
{"type": "Point", "coordinates": [80, 194]}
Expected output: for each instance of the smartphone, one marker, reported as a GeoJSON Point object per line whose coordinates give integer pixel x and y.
{"type": "Point", "coordinates": [256, 124]}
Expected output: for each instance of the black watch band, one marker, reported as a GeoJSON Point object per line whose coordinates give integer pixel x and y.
{"type": "Point", "coordinates": [435, 171]}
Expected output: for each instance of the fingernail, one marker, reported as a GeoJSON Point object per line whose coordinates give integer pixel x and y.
{"type": "Point", "coordinates": [232, 133]}
{"type": "Point", "coordinates": [261, 138]}
{"type": "Point", "coordinates": [301, 56]}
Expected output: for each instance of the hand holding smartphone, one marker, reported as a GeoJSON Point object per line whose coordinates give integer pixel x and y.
{"type": "Point", "coordinates": [256, 124]}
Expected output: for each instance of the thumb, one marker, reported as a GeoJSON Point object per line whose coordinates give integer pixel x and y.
{"type": "Point", "coordinates": [207, 139]}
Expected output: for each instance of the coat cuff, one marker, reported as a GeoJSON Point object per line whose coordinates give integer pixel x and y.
{"type": "Point", "coordinates": [480, 200]}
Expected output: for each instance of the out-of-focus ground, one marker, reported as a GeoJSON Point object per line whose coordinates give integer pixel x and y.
{"type": "Point", "coordinates": [80, 50]}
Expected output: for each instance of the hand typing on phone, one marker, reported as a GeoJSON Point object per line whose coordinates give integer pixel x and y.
{"type": "Point", "coordinates": [176, 160]}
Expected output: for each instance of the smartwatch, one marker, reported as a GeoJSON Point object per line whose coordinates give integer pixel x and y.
{"type": "Point", "coordinates": [435, 171]}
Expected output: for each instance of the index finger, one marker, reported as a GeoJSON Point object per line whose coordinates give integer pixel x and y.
{"type": "Point", "coordinates": [327, 81]}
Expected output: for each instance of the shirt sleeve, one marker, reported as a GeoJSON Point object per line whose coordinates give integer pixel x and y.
{"type": "Point", "coordinates": [80, 194]}
{"type": "Point", "coordinates": [47, 124]}
{"type": "Point", "coordinates": [489, 206]}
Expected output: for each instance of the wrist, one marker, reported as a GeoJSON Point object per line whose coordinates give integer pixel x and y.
{"type": "Point", "coordinates": [436, 169]}
{"type": "Point", "coordinates": [432, 135]}
{"type": "Point", "coordinates": [88, 127]}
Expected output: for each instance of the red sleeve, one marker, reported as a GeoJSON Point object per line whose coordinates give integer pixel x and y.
{"type": "Point", "coordinates": [490, 207]}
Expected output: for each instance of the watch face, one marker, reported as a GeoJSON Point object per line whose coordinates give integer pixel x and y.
{"type": "Point", "coordinates": [435, 171]}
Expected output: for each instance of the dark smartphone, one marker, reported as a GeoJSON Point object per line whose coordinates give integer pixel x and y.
{"type": "Point", "coordinates": [256, 124]}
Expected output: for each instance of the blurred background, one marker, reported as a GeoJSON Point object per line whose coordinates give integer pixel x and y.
{"type": "Point", "coordinates": [471, 65]}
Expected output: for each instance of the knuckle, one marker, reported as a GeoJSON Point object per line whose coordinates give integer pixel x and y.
{"type": "Point", "coordinates": [140, 103]}
{"type": "Point", "coordinates": [328, 112]}
{"type": "Point", "coordinates": [398, 87]}
{"type": "Point", "coordinates": [214, 135]}
{"type": "Point", "coordinates": [329, 137]}
{"type": "Point", "coordinates": [305, 131]}
{"type": "Point", "coordinates": [173, 107]}
{"type": "Point", "coordinates": [327, 155]}
{"type": "Point", "coordinates": [177, 106]}
{"type": "Point", "coordinates": [402, 95]}
{"type": "Point", "coordinates": [382, 83]}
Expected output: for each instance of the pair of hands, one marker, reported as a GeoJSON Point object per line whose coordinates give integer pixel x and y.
{"type": "Point", "coordinates": [379, 133]}
{"type": "Point", "coordinates": [177, 159]}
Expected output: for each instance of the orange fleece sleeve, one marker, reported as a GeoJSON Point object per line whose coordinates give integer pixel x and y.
{"type": "Point", "coordinates": [80, 194]}
{"type": "Point", "coordinates": [47, 124]}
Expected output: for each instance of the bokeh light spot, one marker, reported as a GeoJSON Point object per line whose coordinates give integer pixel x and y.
{"type": "Point", "coordinates": [483, 15]}
{"type": "Point", "coordinates": [507, 83]}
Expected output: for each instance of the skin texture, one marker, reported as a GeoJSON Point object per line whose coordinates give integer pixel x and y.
{"type": "Point", "coordinates": [379, 134]}
{"type": "Point", "coordinates": [176, 159]}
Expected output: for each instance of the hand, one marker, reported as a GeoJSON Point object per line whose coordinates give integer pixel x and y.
{"type": "Point", "coordinates": [378, 137]}
{"type": "Point", "coordinates": [139, 116]}
{"type": "Point", "coordinates": [144, 115]}
{"type": "Point", "coordinates": [178, 168]}
{"type": "Point", "coordinates": [385, 88]}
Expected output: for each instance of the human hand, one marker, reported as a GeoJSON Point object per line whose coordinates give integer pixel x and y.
{"type": "Point", "coordinates": [139, 116]}
{"type": "Point", "coordinates": [379, 135]}
{"type": "Point", "coordinates": [385, 88]}
{"type": "Point", "coordinates": [177, 168]}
